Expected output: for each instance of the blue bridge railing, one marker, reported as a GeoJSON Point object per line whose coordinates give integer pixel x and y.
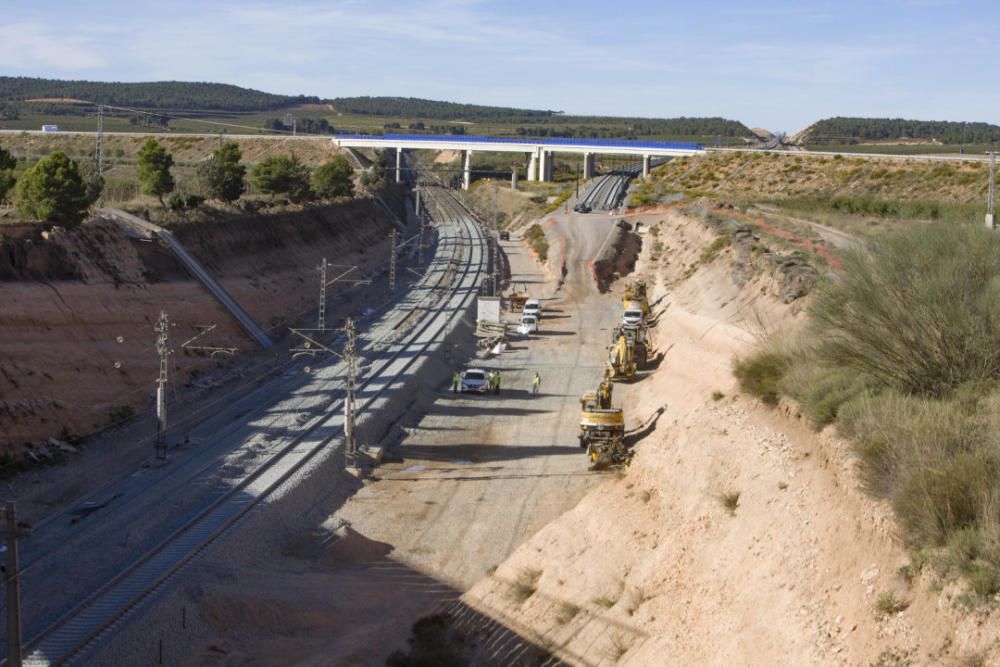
{"type": "Point", "coordinates": [547, 141]}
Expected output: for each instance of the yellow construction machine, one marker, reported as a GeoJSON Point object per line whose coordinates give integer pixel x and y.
{"type": "Point", "coordinates": [636, 339]}
{"type": "Point", "coordinates": [636, 291]}
{"type": "Point", "coordinates": [621, 358]}
{"type": "Point", "coordinates": [602, 427]}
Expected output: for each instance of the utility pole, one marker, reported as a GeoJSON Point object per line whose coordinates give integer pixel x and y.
{"type": "Point", "coordinates": [13, 581]}
{"type": "Point", "coordinates": [992, 205]}
{"type": "Point", "coordinates": [162, 330]}
{"type": "Point", "coordinates": [392, 260]}
{"type": "Point", "coordinates": [321, 324]}
{"type": "Point", "coordinates": [99, 151]}
{"type": "Point", "coordinates": [351, 358]}
{"type": "Point", "coordinates": [420, 240]}
{"type": "Point", "coordinates": [496, 245]}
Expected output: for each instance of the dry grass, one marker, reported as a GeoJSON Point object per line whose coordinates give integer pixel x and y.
{"type": "Point", "coordinates": [889, 604]}
{"type": "Point", "coordinates": [566, 613]}
{"type": "Point", "coordinates": [525, 585]}
{"type": "Point", "coordinates": [730, 500]}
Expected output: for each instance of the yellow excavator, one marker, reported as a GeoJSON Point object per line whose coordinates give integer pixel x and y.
{"type": "Point", "coordinates": [636, 341]}
{"type": "Point", "coordinates": [621, 358]}
{"type": "Point", "coordinates": [636, 291]}
{"type": "Point", "coordinates": [602, 427]}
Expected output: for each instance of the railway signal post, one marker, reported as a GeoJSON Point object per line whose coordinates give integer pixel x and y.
{"type": "Point", "coordinates": [162, 331]}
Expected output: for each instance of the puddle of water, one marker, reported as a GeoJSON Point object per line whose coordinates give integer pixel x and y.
{"type": "Point", "coordinates": [462, 462]}
{"type": "Point", "coordinates": [415, 469]}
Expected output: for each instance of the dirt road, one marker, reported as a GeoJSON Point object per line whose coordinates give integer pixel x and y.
{"type": "Point", "coordinates": [471, 480]}
{"type": "Point", "coordinates": [481, 473]}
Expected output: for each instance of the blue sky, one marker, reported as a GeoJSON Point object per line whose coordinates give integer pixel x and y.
{"type": "Point", "coordinates": [778, 65]}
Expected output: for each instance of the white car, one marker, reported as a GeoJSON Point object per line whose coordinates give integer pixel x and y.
{"type": "Point", "coordinates": [474, 379]}
{"type": "Point", "coordinates": [529, 324]}
{"type": "Point", "coordinates": [632, 316]}
{"type": "Point", "coordinates": [532, 307]}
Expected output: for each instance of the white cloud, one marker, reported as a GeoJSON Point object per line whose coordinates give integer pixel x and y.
{"type": "Point", "coordinates": [30, 46]}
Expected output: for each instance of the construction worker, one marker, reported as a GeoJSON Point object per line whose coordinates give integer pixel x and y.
{"type": "Point", "coordinates": [491, 377]}
{"type": "Point", "coordinates": [536, 383]}
{"type": "Point", "coordinates": [496, 389]}
{"type": "Point", "coordinates": [456, 380]}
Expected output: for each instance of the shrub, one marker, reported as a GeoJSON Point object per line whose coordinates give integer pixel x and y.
{"type": "Point", "coordinates": [53, 190]}
{"type": "Point", "coordinates": [933, 501]}
{"type": "Point", "coordinates": [984, 580]}
{"type": "Point", "coordinates": [915, 310]}
{"type": "Point", "coordinates": [284, 175]}
{"type": "Point", "coordinates": [176, 202]}
{"type": "Point", "coordinates": [890, 604]}
{"type": "Point", "coordinates": [193, 201]}
{"type": "Point", "coordinates": [525, 585]}
{"type": "Point", "coordinates": [822, 391]}
{"type": "Point", "coordinates": [536, 239]}
{"type": "Point", "coordinates": [334, 178]}
{"type": "Point", "coordinates": [712, 250]}
{"type": "Point", "coordinates": [567, 612]}
{"type": "Point", "coordinates": [894, 433]}
{"type": "Point", "coordinates": [760, 374]}
{"type": "Point", "coordinates": [730, 500]}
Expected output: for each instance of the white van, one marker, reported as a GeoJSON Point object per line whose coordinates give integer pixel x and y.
{"type": "Point", "coordinates": [532, 307]}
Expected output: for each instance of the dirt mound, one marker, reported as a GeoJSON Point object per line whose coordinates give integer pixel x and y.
{"type": "Point", "coordinates": [618, 257]}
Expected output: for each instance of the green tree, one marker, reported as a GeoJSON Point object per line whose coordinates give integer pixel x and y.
{"type": "Point", "coordinates": [223, 175]}
{"type": "Point", "coordinates": [154, 170]}
{"type": "Point", "coordinates": [334, 178]}
{"type": "Point", "coordinates": [53, 190]}
{"type": "Point", "coordinates": [7, 180]}
{"type": "Point", "coordinates": [283, 174]}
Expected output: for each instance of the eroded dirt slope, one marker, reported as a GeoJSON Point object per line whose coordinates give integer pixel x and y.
{"type": "Point", "coordinates": [77, 308]}
{"type": "Point", "coordinates": [738, 535]}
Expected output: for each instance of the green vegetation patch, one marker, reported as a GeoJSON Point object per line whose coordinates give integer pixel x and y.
{"type": "Point", "coordinates": [900, 354]}
{"type": "Point", "coordinates": [536, 239]}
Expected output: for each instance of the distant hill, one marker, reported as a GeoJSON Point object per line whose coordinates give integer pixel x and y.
{"type": "Point", "coordinates": [855, 130]}
{"type": "Point", "coordinates": [153, 95]}
{"type": "Point", "coordinates": [415, 107]}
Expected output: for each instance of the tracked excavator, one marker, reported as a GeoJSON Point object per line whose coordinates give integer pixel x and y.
{"type": "Point", "coordinates": [602, 427]}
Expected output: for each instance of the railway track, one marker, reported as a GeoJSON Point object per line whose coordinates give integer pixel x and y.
{"type": "Point", "coordinates": [452, 281]}
{"type": "Point", "coordinates": [608, 191]}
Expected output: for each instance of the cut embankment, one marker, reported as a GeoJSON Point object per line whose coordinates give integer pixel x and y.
{"type": "Point", "coordinates": [80, 306]}
{"type": "Point", "coordinates": [738, 535]}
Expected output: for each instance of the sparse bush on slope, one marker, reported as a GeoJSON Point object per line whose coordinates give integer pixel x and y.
{"type": "Point", "coordinates": [918, 310]}
{"type": "Point", "coordinates": [902, 352]}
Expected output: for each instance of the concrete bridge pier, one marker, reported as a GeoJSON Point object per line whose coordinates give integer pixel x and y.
{"type": "Point", "coordinates": [588, 165]}
{"type": "Point", "coordinates": [533, 166]}
{"type": "Point", "coordinates": [466, 169]}
{"type": "Point", "coordinates": [543, 165]}
{"type": "Point", "coordinates": [513, 178]}
{"type": "Point", "coordinates": [399, 165]}
{"type": "Point", "coordinates": [645, 166]}
{"type": "Point", "coordinates": [550, 167]}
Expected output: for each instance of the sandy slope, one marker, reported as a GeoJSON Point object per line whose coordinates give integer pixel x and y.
{"type": "Point", "coordinates": [652, 569]}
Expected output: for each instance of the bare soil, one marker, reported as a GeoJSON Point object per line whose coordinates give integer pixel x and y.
{"type": "Point", "coordinates": [79, 308]}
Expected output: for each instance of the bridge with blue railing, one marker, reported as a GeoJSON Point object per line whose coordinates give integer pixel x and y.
{"type": "Point", "coordinates": [538, 152]}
